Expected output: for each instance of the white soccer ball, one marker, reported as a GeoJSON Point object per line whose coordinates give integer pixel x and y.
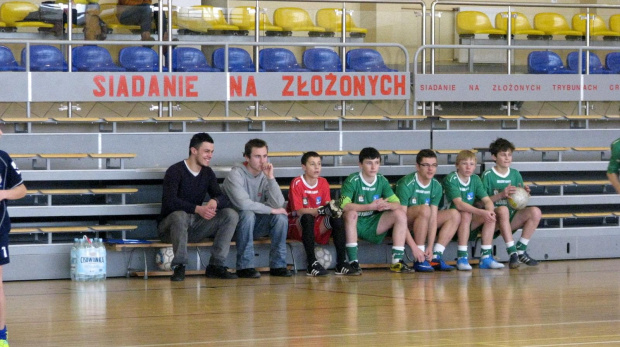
{"type": "Point", "coordinates": [323, 256]}
{"type": "Point", "coordinates": [518, 199]}
{"type": "Point", "coordinates": [164, 257]}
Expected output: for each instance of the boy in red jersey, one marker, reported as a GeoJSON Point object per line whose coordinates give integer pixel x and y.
{"type": "Point", "coordinates": [313, 216]}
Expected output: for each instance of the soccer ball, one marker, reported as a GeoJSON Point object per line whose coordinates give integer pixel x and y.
{"type": "Point", "coordinates": [518, 199]}
{"type": "Point", "coordinates": [163, 258]}
{"type": "Point", "coordinates": [323, 256]}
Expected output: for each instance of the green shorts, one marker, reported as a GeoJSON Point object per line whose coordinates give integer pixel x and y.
{"type": "Point", "coordinates": [367, 228]}
{"type": "Point", "coordinates": [473, 235]}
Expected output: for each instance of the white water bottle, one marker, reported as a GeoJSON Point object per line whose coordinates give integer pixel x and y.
{"type": "Point", "coordinates": [76, 243]}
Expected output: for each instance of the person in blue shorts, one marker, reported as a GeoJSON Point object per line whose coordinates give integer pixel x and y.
{"type": "Point", "coordinates": [11, 188]}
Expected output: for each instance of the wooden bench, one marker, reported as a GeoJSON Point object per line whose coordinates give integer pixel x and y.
{"type": "Point", "coordinates": [602, 150]}
{"type": "Point", "coordinates": [49, 230]}
{"type": "Point", "coordinates": [132, 247]}
{"type": "Point", "coordinates": [546, 150]}
{"type": "Point", "coordinates": [49, 156]}
{"type": "Point", "coordinates": [93, 191]}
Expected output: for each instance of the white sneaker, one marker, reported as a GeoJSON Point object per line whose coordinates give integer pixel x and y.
{"type": "Point", "coordinates": [463, 264]}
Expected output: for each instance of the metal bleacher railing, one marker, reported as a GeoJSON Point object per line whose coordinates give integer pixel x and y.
{"type": "Point", "coordinates": [509, 44]}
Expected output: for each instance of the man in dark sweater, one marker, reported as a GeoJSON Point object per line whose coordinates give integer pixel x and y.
{"type": "Point", "coordinates": [194, 207]}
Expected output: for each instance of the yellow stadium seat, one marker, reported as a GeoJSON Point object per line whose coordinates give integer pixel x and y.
{"type": "Point", "coordinates": [331, 20]}
{"type": "Point", "coordinates": [244, 17]}
{"type": "Point", "coordinates": [614, 23]}
{"type": "Point", "coordinates": [475, 22]}
{"type": "Point", "coordinates": [554, 24]}
{"type": "Point", "coordinates": [12, 13]}
{"type": "Point", "coordinates": [202, 18]}
{"type": "Point", "coordinates": [520, 25]}
{"type": "Point", "coordinates": [597, 25]}
{"type": "Point", "coordinates": [295, 19]}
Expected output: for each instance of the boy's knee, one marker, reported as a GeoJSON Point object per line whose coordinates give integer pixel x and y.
{"type": "Point", "coordinates": [350, 216]}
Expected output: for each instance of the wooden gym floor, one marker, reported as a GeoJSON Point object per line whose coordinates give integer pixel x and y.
{"type": "Point", "coordinates": [562, 303]}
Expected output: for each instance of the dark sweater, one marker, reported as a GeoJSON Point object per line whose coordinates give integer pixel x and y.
{"type": "Point", "coordinates": [182, 191]}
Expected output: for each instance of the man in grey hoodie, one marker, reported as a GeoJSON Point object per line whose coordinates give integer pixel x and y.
{"type": "Point", "coordinates": [254, 192]}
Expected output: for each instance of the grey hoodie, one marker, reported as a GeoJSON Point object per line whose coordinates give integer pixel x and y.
{"type": "Point", "coordinates": [252, 193]}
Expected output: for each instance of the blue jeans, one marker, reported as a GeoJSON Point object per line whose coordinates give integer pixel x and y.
{"type": "Point", "coordinates": [253, 226]}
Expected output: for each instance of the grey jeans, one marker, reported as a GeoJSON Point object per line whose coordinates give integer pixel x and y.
{"type": "Point", "coordinates": [181, 227]}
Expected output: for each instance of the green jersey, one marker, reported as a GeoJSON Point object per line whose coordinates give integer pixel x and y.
{"type": "Point", "coordinates": [469, 192]}
{"type": "Point", "coordinates": [614, 161]}
{"type": "Point", "coordinates": [411, 192]}
{"type": "Point", "coordinates": [356, 190]}
{"type": "Point", "coordinates": [494, 183]}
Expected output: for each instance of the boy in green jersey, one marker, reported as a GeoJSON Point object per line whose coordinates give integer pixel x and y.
{"type": "Point", "coordinates": [371, 209]}
{"type": "Point", "coordinates": [462, 189]}
{"type": "Point", "coordinates": [500, 182]}
{"type": "Point", "coordinates": [420, 194]}
{"type": "Point", "coordinates": [614, 165]}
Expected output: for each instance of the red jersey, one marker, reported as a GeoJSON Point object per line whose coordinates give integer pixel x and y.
{"type": "Point", "coordinates": [301, 195]}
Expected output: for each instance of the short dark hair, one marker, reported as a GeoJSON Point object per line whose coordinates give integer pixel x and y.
{"type": "Point", "coordinates": [501, 145]}
{"type": "Point", "coordinates": [425, 153]}
{"type": "Point", "coordinates": [308, 155]}
{"type": "Point", "coordinates": [369, 153]}
{"type": "Point", "coordinates": [253, 143]}
{"type": "Point", "coordinates": [197, 141]}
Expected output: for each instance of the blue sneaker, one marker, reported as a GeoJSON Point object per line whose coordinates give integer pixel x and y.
{"type": "Point", "coordinates": [490, 263]}
{"type": "Point", "coordinates": [463, 264]}
{"type": "Point", "coordinates": [422, 266]}
{"type": "Point", "coordinates": [439, 265]}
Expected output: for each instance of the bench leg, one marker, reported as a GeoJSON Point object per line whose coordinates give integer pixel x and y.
{"type": "Point", "coordinates": [200, 258]}
{"type": "Point", "coordinates": [290, 249]}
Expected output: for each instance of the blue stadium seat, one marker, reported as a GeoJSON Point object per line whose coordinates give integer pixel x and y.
{"type": "Point", "coordinates": [138, 58]}
{"type": "Point", "coordinates": [239, 60]}
{"type": "Point", "coordinates": [596, 67]}
{"type": "Point", "coordinates": [366, 60]}
{"type": "Point", "coordinates": [7, 60]}
{"type": "Point", "coordinates": [188, 59]}
{"type": "Point", "coordinates": [94, 59]}
{"type": "Point", "coordinates": [546, 62]}
{"type": "Point", "coordinates": [322, 60]}
{"type": "Point", "coordinates": [45, 58]}
{"type": "Point", "coordinates": [279, 60]}
{"type": "Point", "coordinates": [612, 62]}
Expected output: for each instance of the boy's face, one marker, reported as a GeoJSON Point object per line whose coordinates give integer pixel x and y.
{"type": "Point", "coordinates": [466, 167]}
{"type": "Point", "coordinates": [503, 159]}
{"type": "Point", "coordinates": [312, 168]}
{"type": "Point", "coordinates": [370, 167]}
{"type": "Point", "coordinates": [427, 168]}
{"type": "Point", "coordinates": [203, 154]}
{"type": "Point", "coordinates": [257, 160]}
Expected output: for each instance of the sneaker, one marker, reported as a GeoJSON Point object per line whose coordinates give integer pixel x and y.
{"type": "Point", "coordinates": [439, 265]}
{"type": "Point", "coordinates": [490, 263]}
{"type": "Point", "coordinates": [347, 270]}
{"type": "Point", "coordinates": [514, 261]}
{"type": "Point", "coordinates": [248, 273]}
{"type": "Point", "coordinates": [281, 272]}
{"type": "Point", "coordinates": [355, 266]}
{"type": "Point", "coordinates": [400, 267]}
{"type": "Point", "coordinates": [215, 271]}
{"type": "Point", "coordinates": [463, 264]}
{"type": "Point", "coordinates": [316, 269]}
{"type": "Point", "coordinates": [178, 275]}
{"type": "Point", "coordinates": [527, 260]}
{"type": "Point", "coordinates": [422, 266]}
